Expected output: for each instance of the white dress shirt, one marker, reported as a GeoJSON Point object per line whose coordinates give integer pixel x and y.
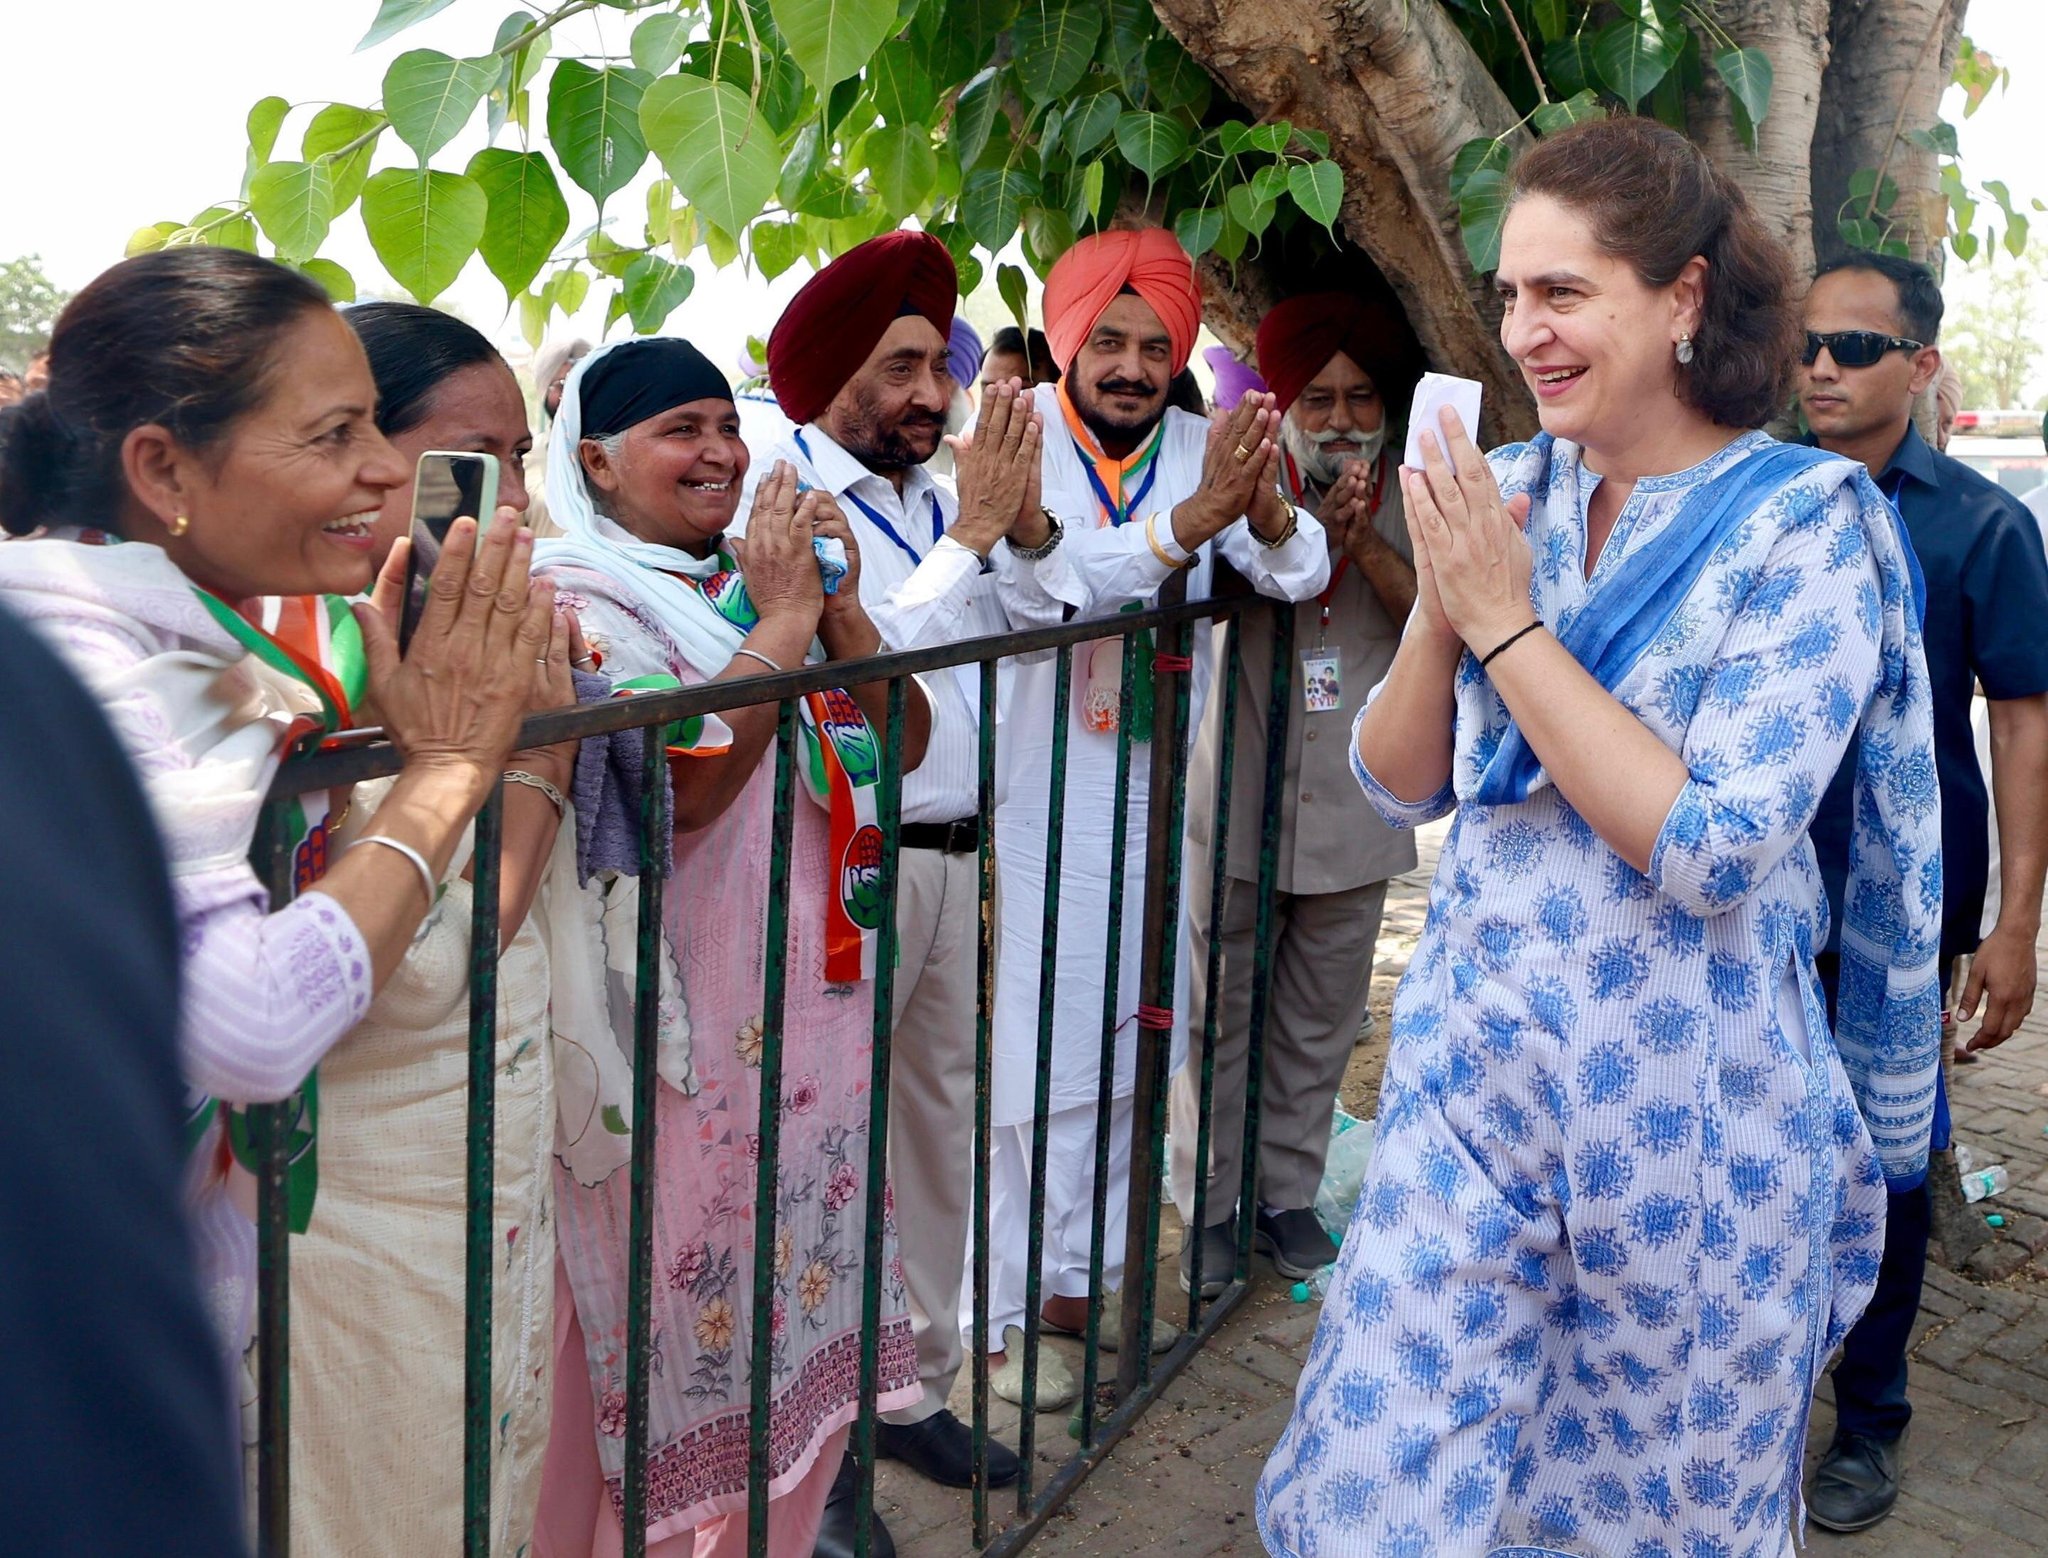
{"type": "Point", "coordinates": [922, 589]}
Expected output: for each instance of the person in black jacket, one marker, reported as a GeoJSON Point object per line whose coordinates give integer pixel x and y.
{"type": "Point", "coordinates": [115, 1428]}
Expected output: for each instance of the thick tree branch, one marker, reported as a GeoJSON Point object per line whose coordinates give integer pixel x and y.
{"type": "Point", "coordinates": [1398, 90]}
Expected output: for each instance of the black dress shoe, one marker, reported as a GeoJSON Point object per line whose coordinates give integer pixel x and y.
{"type": "Point", "coordinates": [1856, 1483]}
{"type": "Point", "coordinates": [1296, 1242]}
{"type": "Point", "coordinates": [942, 1448]}
{"type": "Point", "coordinates": [836, 1530]}
{"type": "Point", "coordinates": [1219, 1259]}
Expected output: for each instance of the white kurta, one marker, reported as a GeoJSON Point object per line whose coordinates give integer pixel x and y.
{"type": "Point", "coordinates": [1096, 571]}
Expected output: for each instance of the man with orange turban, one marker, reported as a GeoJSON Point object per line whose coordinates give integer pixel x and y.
{"type": "Point", "coordinates": [861, 364]}
{"type": "Point", "coordinates": [1342, 368]}
{"type": "Point", "coordinates": [1140, 501]}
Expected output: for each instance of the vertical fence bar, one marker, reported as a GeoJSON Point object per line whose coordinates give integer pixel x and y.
{"type": "Point", "coordinates": [889, 816]}
{"type": "Point", "coordinates": [270, 1136]}
{"type": "Point", "coordinates": [1277, 714]}
{"type": "Point", "coordinates": [1112, 1000]}
{"type": "Point", "coordinates": [640, 1213]}
{"type": "Point", "coordinates": [481, 1176]}
{"type": "Point", "coordinates": [1048, 965]}
{"type": "Point", "coordinates": [767, 1170]}
{"type": "Point", "coordinates": [984, 1021]}
{"type": "Point", "coordinates": [1212, 984]}
{"type": "Point", "coordinates": [1172, 679]}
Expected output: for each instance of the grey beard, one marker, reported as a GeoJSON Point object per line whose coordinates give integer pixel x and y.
{"type": "Point", "coordinates": [1320, 466]}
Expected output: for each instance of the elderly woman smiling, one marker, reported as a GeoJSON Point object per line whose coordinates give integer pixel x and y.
{"type": "Point", "coordinates": [1624, 1201]}
{"type": "Point", "coordinates": [644, 470]}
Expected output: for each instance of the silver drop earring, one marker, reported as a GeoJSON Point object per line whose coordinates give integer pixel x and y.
{"type": "Point", "coordinates": [1685, 351]}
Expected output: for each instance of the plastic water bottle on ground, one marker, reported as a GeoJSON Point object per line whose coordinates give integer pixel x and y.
{"type": "Point", "coordinates": [1979, 1183]}
{"type": "Point", "coordinates": [1314, 1288]}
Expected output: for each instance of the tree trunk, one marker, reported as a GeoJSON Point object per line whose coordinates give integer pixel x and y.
{"type": "Point", "coordinates": [1398, 90]}
{"type": "Point", "coordinates": [1890, 62]}
{"type": "Point", "coordinates": [1777, 175]}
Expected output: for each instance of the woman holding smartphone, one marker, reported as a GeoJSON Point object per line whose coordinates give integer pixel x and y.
{"type": "Point", "coordinates": [378, 1279]}
{"type": "Point", "coordinates": [206, 441]}
{"type": "Point", "coordinates": [645, 466]}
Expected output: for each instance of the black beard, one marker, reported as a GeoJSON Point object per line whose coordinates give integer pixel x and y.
{"type": "Point", "coordinates": [1108, 427]}
{"type": "Point", "coordinates": [885, 448]}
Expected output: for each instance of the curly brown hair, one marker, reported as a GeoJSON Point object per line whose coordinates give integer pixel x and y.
{"type": "Point", "coordinates": [1655, 201]}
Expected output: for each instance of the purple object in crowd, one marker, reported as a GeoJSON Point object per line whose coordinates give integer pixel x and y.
{"type": "Point", "coordinates": [1234, 380]}
{"type": "Point", "coordinates": [963, 345]}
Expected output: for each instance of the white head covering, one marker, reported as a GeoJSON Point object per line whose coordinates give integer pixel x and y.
{"type": "Point", "coordinates": [590, 540]}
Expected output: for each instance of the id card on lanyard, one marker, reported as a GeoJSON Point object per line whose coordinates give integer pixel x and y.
{"type": "Point", "coordinates": [1322, 668]}
{"type": "Point", "coordinates": [880, 520]}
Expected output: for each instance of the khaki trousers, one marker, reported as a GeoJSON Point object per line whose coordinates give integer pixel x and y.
{"type": "Point", "coordinates": [1322, 975]}
{"type": "Point", "coordinates": [931, 1104]}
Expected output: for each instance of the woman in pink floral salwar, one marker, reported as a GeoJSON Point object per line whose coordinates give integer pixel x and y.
{"type": "Point", "coordinates": [644, 475]}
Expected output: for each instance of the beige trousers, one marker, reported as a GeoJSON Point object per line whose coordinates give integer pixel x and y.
{"type": "Point", "coordinates": [931, 1104]}
{"type": "Point", "coordinates": [1322, 975]}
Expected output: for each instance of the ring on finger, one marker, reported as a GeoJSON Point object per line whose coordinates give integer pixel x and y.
{"type": "Point", "coordinates": [1243, 453]}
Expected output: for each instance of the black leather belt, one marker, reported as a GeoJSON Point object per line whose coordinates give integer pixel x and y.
{"type": "Point", "coordinates": [959, 837]}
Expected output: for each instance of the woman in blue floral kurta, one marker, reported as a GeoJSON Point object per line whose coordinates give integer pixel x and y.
{"type": "Point", "coordinates": [1624, 1200]}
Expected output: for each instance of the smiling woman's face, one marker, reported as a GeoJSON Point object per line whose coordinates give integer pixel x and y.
{"type": "Point", "coordinates": [477, 409]}
{"type": "Point", "coordinates": [285, 505]}
{"type": "Point", "coordinates": [676, 479]}
{"type": "Point", "coordinates": [1593, 340]}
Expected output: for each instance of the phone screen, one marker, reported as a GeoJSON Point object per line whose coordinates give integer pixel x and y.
{"type": "Point", "coordinates": [447, 487]}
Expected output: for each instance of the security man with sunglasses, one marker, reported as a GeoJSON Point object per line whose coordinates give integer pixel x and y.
{"type": "Point", "coordinates": [1871, 322]}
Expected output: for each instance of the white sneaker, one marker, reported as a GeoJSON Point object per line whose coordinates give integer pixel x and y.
{"type": "Point", "coordinates": [1056, 1387]}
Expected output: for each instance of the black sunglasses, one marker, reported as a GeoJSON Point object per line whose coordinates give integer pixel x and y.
{"type": "Point", "coordinates": [1855, 348]}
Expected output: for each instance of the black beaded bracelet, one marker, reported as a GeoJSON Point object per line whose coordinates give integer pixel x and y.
{"type": "Point", "coordinates": [1506, 643]}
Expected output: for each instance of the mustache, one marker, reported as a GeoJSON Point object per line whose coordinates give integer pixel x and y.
{"type": "Point", "coordinates": [1136, 387]}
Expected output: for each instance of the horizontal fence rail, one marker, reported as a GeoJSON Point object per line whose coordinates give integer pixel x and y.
{"type": "Point", "coordinates": [1106, 1410]}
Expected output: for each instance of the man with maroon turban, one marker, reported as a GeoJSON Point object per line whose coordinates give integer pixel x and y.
{"type": "Point", "coordinates": [1141, 501]}
{"type": "Point", "coordinates": [860, 363]}
{"type": "Point", "coordinates": [1342, 369]}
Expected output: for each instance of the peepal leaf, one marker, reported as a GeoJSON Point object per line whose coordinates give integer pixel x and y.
{"type": "Point", "coordinates": [832, 39]}
{"type": "Point", "coordinates": [714, 145]}
{"type": "Point", "coordinates": [293, 202]}
{"type": "Point", "coordinates": [1633, 56]}
{"type": "Point", "coordinates": [1151, 143]}
{"type": "Point", "coordinates": [429, 96]}
{"type": "Point", "coordinates": [394, 16]}
{"type": "Point", "coordinates": [1318, 188]}
{"type": "Point", "coordinates": [1748, 74]}
{"type": "Point", "coordinates": [1054, 40]}
{"type": "Point", "coordinates": [527, 217]}
{"type": "Point", "coordinates": [335, 126]}
{"type": "Point", "coordinates": [594, 125]}
{"type": "Point", "coordinates": [992, 204]}
{"type": "Point", "coordinates": [1482, 212]}
{"type": "Point", "coordinates": [655, 288]}
{"type": "Point", "coordinates": [424, 226]}
{"type": "Point", "coordinates": [340, 285]}
{"type": "Point", "coordinates": [1011, 285]}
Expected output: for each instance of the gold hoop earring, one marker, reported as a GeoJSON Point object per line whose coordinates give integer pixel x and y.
{"type": "Point", "coordinates": [180, 525]}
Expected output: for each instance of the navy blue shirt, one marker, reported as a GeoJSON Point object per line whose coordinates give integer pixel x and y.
{"type": "Point", "coordinates": [1987, 621]}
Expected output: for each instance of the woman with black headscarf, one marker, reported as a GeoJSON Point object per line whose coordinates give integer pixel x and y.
{"type": "Point", "coordinates": [644, 474]}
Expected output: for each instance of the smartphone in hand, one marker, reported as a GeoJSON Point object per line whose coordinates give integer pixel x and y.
{"type": "Point", "coordinates": [448, 486]}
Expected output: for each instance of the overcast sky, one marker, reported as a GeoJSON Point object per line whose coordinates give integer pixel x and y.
{"type": "Point", "coordinates": [125, 112]}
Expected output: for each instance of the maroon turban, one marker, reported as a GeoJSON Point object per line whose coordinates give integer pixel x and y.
{"type": "Point", "coordinates": [831, 325]}
{"type": "Point", "coordinates": [1298, 338]}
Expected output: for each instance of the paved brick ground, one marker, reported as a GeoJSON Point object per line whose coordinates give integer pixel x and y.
{"type": "Point", "coordinates": [1976, 1460]}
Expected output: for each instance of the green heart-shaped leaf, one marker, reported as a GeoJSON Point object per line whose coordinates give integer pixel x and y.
{"type": "Point", "coordinates": [424, 226]}
{"type": "Point", "coordinates": [1054, 40]}
{"type": "Point", "coordinates": [335, 126]}
{"type": "Point", "coordinates": [902, 164]}
{"type": "Point", "coordinates": [429, 96]}
{"type": "Point", "coordinates": [594, 126]}
{"type": "Point", "coordinates": [527, 218]}
{"type": "Point", "coordinates": [1633, 56]}
{"type": "Point", "coordinates": [833, 39]}
{"type": "Point", "coordinates": [1151, 143]}
{"type": "Point", "coordinates": [992, 204]}
{"type": "Point", "coordinates": [1318, 188]}
{"type": "Point", "coordinates": [655, 288]}
{"type": "Point", "coordinates": [708, 136]}
{"type": "Point", "coordinates": [294, 203]}
{"type": "Point", "coordinates": [394, 16]}
{"type": "Point", "coordinates": [777, 246]}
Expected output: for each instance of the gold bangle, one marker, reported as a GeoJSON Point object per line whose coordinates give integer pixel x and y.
{"type": "Point", "coordinates": [1160, 552]}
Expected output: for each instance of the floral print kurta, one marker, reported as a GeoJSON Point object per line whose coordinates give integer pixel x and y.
{"type": "Point", "coordinates": [707, 1145]}
{"type": "Point", "coordinates": [1622, 1204]}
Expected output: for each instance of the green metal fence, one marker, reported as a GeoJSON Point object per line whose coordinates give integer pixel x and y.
{"type": "Point", "coordinates": [1107, 1409]}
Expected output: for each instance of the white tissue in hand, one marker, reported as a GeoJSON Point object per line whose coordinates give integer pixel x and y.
{"type": "Point", "coordinates": [1436, 391]}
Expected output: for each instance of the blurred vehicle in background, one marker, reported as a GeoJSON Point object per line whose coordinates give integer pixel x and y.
{"type": "Point", "coordinates": [2004, 445]}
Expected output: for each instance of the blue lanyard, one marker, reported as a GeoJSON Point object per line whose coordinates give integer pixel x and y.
{"type": "Point", "coordinates": [880, 522]}
{"type": "Point", "coordinates": [1117, 516]}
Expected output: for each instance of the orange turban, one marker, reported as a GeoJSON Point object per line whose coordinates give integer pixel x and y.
{"type": "Point", "coordinates": [1298, 338]}
{"type": "Point", "coordinates": [841, 313]}
{"type": "Point", "coordinates": [1149, 261]}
